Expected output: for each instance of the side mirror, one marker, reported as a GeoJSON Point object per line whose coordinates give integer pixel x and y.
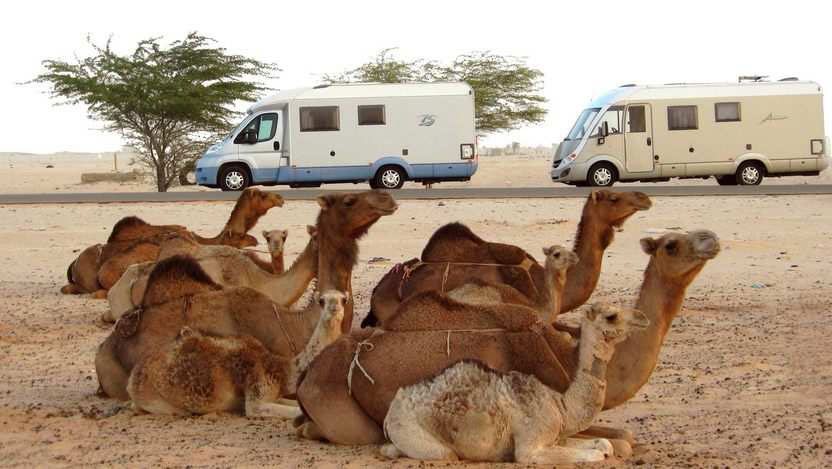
{"type": "Point", "coordinates": [251, 137]}
{"type": "Point", "coordinates": [605, 129]}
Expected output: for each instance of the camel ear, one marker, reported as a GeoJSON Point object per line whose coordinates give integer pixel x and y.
{"type": "Point", "coordinates": [547, 251]}
{"type": "Point", "coordinates": [266, 235]}
{"type": "Point", "coordinates": [324, 202]}
{"type": "Point", "coordinates": [649, 245]}
{"type": "Point", "coordinates": [285, 234]}
{"type": "Point", "coordinates": [312, 230]}
{"type": "Point", "coordinates": [594, 311]}
{"type": "Point", "coordinates": [593, 196]}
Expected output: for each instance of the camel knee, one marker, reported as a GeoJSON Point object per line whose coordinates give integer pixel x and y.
{"type": "Point", "coordinates": [112, 378]}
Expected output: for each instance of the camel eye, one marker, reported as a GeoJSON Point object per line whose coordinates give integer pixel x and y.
{"type": "Point", "coordinates": [557, 255]}
{"type": "Point", "coordinates": [612, 318]}
{"type": "Point", "coordinates": [321, 302]}
{"type": "Point", "coordinates": [671, 247]}
{"type": "Point", "coordinates": [349, 201]}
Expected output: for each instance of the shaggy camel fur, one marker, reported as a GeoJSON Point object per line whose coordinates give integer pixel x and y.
{"type": "Point", "coordinates": [351, 413]}
{"type": "Point", "coordinates": [179, 293]}
{"type": "Point", "coordinates": [199, 374]}
{"type": "Point", "coordinates": [471, 412]}
{"type": "Point", "coordinates": [133, 241]}
{"type": "Point", "coordinates": [471, 257]}
{"type": "Point", "coordinates": [227, 266]}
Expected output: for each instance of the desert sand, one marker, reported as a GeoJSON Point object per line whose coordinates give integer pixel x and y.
{"type": "Point", "coordinates": [744, 378]}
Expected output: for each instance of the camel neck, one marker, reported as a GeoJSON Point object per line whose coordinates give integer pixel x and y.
{"type": "Point", "coordinates": [336, 259]}
{"type": "Point", "coordinates": [555, 280]}
{"type": "Point", "coordinates": [324, 333]}
{"type": "Point", "coordinates": [635, 358]}
{"type": "Point", "coordinates": [287, 288]}
{"type": "Point", "coordinates": [591, 240]}
{"type": "Point", "coordinates": [584, 398]}
{"type": "Point", "coordinates": [277, 263]}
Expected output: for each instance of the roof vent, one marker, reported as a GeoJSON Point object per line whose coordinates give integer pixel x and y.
{"type": "Point", "coordinates": [789, 79]}
{"type": "Point", "coordinates": [320, 86]}
{"type": "Point", "coordinates": [752, 78]}
{"type": "Point", "coordinates": [628, 85]}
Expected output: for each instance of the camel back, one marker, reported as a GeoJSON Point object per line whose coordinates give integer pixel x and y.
{"type": "Point", "coordinates": [176, 277]}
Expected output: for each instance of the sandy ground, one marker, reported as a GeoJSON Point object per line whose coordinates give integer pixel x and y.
{"type": "Point", "coordinates": [744, 378]}
{"type": "Point", "coordinates": [20, 173]}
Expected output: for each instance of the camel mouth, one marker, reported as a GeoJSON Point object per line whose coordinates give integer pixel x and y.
{"type": "Point", "coordinates": [705, 244]}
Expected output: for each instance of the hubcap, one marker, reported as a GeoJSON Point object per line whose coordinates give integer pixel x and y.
{"type": "Point", "coordinates": [750, 175]}
{"type": "Point", "coordinates": [234, 180]}
{"type": "Point", "coordinates": [602, 176]}
{"type": "Point", "coordinates": [390, 178]}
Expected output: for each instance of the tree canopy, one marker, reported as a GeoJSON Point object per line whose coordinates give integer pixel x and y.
{"type": "Point", "coordinates": [160, 98]}
{"type": "Point", "coordinates": [506, 90]}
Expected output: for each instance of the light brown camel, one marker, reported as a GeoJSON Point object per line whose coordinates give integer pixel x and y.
{"type": "Point", "coordinates": [199, 374]}
{"type": "Point", "coordinates": [352, 412]}
{"type": "Point", "coordinates": [472, 412]}
{"type": "Point", "coordinates": [275, 240]}
{"type": "Point", "coordinates": [179, 293]}
{"type": "Point", "coordinates": [226, 266]}
{"type": "Point", "coordinates": [471, 257]}
{"type": "Point", "coordinates": [133, 241]}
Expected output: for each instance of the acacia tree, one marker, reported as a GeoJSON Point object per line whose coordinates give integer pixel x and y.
{"type": "Point", "coordinates": [506, 90]}
{"type": "Point", "coordinates": [164, 100]}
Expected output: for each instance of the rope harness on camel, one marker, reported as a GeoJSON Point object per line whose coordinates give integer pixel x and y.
{"type": "Point", "coordinates": [366, 345]}
{"type": "Point", "coordinates": [525, 266]}
{"type": "Point", "coordinates": [285, 332]}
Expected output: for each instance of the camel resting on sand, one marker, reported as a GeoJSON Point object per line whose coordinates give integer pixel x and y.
{"type": "Point", "coordinates": [133, 241]}
{"type": "Point", "coordinates": [226, 266]}
{"type": "Point", "coordinates": [179, 293]}
{"type": "Point", "coordinates": [199, 374]}
{"type": "Point", "coordinates": [472, 412]}
{"type": "Point", "coordinates": [351, 412]}
{"type": "Point", "coordinates": [455, 256]}
{"type": "Point", "coordinates": [276, 241]}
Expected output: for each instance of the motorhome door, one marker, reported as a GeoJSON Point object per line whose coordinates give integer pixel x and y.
{"type": "Point", "coordinates": [639, 146]}
{"type": "Point", "coordinates": [265, 148]}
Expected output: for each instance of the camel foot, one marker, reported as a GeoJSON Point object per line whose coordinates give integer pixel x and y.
{"type": "Point", "coordinates": [100, 295]}
{"type": "Point", "coordinates": [69, 289]}
{"type": "Point", "coordinates": [269, 409]}
{"type": "Point", "coordinates": [310, 431]}
{"type": "Point", "coordinates": [610, 433]}
{"type": "Point", "coordinates": [299, 420]}
{"type": "Point", "coordinates": [621, 448]}
{"type": "Point", "coordinates": [605, 446]}
{"type": "Point", "coordinates": [100, 392]}
{"type": "Point", "coordinates": [390, 451]}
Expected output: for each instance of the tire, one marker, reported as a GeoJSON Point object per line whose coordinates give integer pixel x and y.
{"type": "Point", "coordinates": [729, 180]}
{"type": "Point", "coordinates": [373, 184]}
{"type": "Point", "coordinates": [234, 177]}
{"type": "Point", "coordinates": [389, 177]}
{"type": "Point", "coordinates": [602, 175]}
{"type": "Point", "coordinates": [187, 175]}
{"type": "Point", "coordinates": [750, 173]}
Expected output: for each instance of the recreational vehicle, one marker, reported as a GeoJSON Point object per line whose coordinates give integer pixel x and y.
{"type": "Point", "coordinates": [384, 134]}
{"type": "Point", "coordinates": [737, 132]}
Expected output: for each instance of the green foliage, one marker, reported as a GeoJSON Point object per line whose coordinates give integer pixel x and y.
{"type": "Point", "coordinates": [161, 99]}
{"type": "Point", "coordinates": [506, 90]}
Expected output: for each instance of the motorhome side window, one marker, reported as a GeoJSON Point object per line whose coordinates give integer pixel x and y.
{"type": "Point", "coordinates": [613, 117]}
{"type": "Point", "coordinates": [636, 121]}
{"type": "Point", "coordinates": [264, 126]}
{"type": "Point", "coordinates": [371, 115]}
{"type": "Point", "coordinates": [682, 118]}
{"type": "Point", "coordinates": [319, 119]}
{"type": "Point", "coordinates": [727, 112]}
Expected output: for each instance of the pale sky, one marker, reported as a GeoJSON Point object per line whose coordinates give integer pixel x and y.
{"type": "Point", "coordinates": [583, 48]}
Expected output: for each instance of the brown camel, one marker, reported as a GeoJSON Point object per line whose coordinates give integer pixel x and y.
{"type": "Point", "coordinates": [275, 240]}
{"type": "Point", "coordinates": [455, 255]}
{"type": "Point", "coordinates": [133, 240]}
{"type": "Point", "coordinates": [179, 293]}
{"type": "Point", "coordinates": [351, 412]}
{"type": "Point", "coordinates": [226, 266]}
{"type": "Point", "coordinates": [199, 374]}
{"type": "Point", "coordinates": [472, 412]}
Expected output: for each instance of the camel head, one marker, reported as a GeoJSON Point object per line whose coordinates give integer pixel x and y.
{"type": "Point", "coordinates": [82, 273]}
{"type": "Point", "coordinates": [260, 201]}
{"type": "Point", "coordinates": [614, 208]}
{"type": "Point", "coordinates": [332, 304]}
{"type": "Point", "coordinates": [275, 239]}
{"type": "Point", "coordinates": [614, 324]}
{"type": "Point", "coordinates": [679, 257]}
{"type": "Point", "coordinates": [351, 215]}
{"type": "Point", "coordinates": [559, 257]}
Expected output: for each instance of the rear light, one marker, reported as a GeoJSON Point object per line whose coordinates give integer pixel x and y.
{"type": "Point", "coordinates": [817, 146]}
{"type": "Point", "coordinates": [467, 151]}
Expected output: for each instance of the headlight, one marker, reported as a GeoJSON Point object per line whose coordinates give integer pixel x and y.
{"type": "Point", "coordinates": [466, 151]}
{"type": "Point", "coordinates": [213, 148]}
{"type": "Point", "coordinates": [571, 157]}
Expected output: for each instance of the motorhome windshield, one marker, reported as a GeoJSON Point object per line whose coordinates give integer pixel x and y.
{"type": "Point", "coordinates": [236, 128]}
{"type": "Point", "coordinates": [581, 126]}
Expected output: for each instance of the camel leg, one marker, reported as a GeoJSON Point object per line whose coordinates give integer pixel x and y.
{"type": "Point", "coordinates": [100, 294]}
{"type": "Point", "coordinates": [258, 408]}
{"type": "Point", "coordinates": [410, 438]}
{"type": "Point", "coordinates": [557, 455]}
{"type": "Point", "coordinates": [599, 444]}
{"type": "Point", "coordinates": [112, 377]}
{"type": "Point", "coordinates": [70, 289]}
{"type": "Point", "coordinates": [287, 402]}
{"type": "Point", "coordinates": [610, 433]}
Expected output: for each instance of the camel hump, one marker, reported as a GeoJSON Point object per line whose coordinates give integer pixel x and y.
{"type": "Point", "coordinates": [449, 240]}
{"type": "Point", "coordinates": [435, 311]}
{"type": "Point", "coordinates": [508, 254]}
{"type": "Point", "coordinates": [176, 277]}
{"type": "Point", "coordinates": [123, 229]}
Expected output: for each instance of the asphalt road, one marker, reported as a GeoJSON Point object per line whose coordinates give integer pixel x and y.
{"type": "Point", "coordinates": [417, 194]}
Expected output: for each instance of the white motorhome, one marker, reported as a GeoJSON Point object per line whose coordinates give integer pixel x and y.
{"type": "Point", "coordinates": [383, 134]}
{"type": "Point", "coordinates": [737, 132]}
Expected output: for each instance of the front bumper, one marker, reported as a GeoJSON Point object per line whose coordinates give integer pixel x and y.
{"type": "Point", "coordinates": [206, 175]}
{"type": "Point", "coordinates": [569, 173]}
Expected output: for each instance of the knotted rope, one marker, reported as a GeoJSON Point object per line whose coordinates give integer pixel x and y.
{"type": "Point", "coordinates": [285, 332]}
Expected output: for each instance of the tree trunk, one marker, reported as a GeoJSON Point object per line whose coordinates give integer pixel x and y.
{"type": "Point", "coordinates": [161, 179]}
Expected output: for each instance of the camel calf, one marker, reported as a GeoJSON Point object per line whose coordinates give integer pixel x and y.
{"type": "Point", "coordinates": [199, 374]}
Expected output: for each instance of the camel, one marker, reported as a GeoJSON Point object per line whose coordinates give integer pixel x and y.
{"type": "Point", "coordinates": [227, 266]}
{"type": "Point", "coordinates": [179, 293]}
{"type": "Point", "coordinates": [455, 255]}
{"type": "Point", "coordinates": [351, 412]}
{"type": "Point", "coordinates": [200, 374]}
{"type": "Point", "coordinates": [133, 241]}
{"type": "Point", "coordinates": [472, 412]}
{"type": "Point", "coordinates": [275, 240]}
